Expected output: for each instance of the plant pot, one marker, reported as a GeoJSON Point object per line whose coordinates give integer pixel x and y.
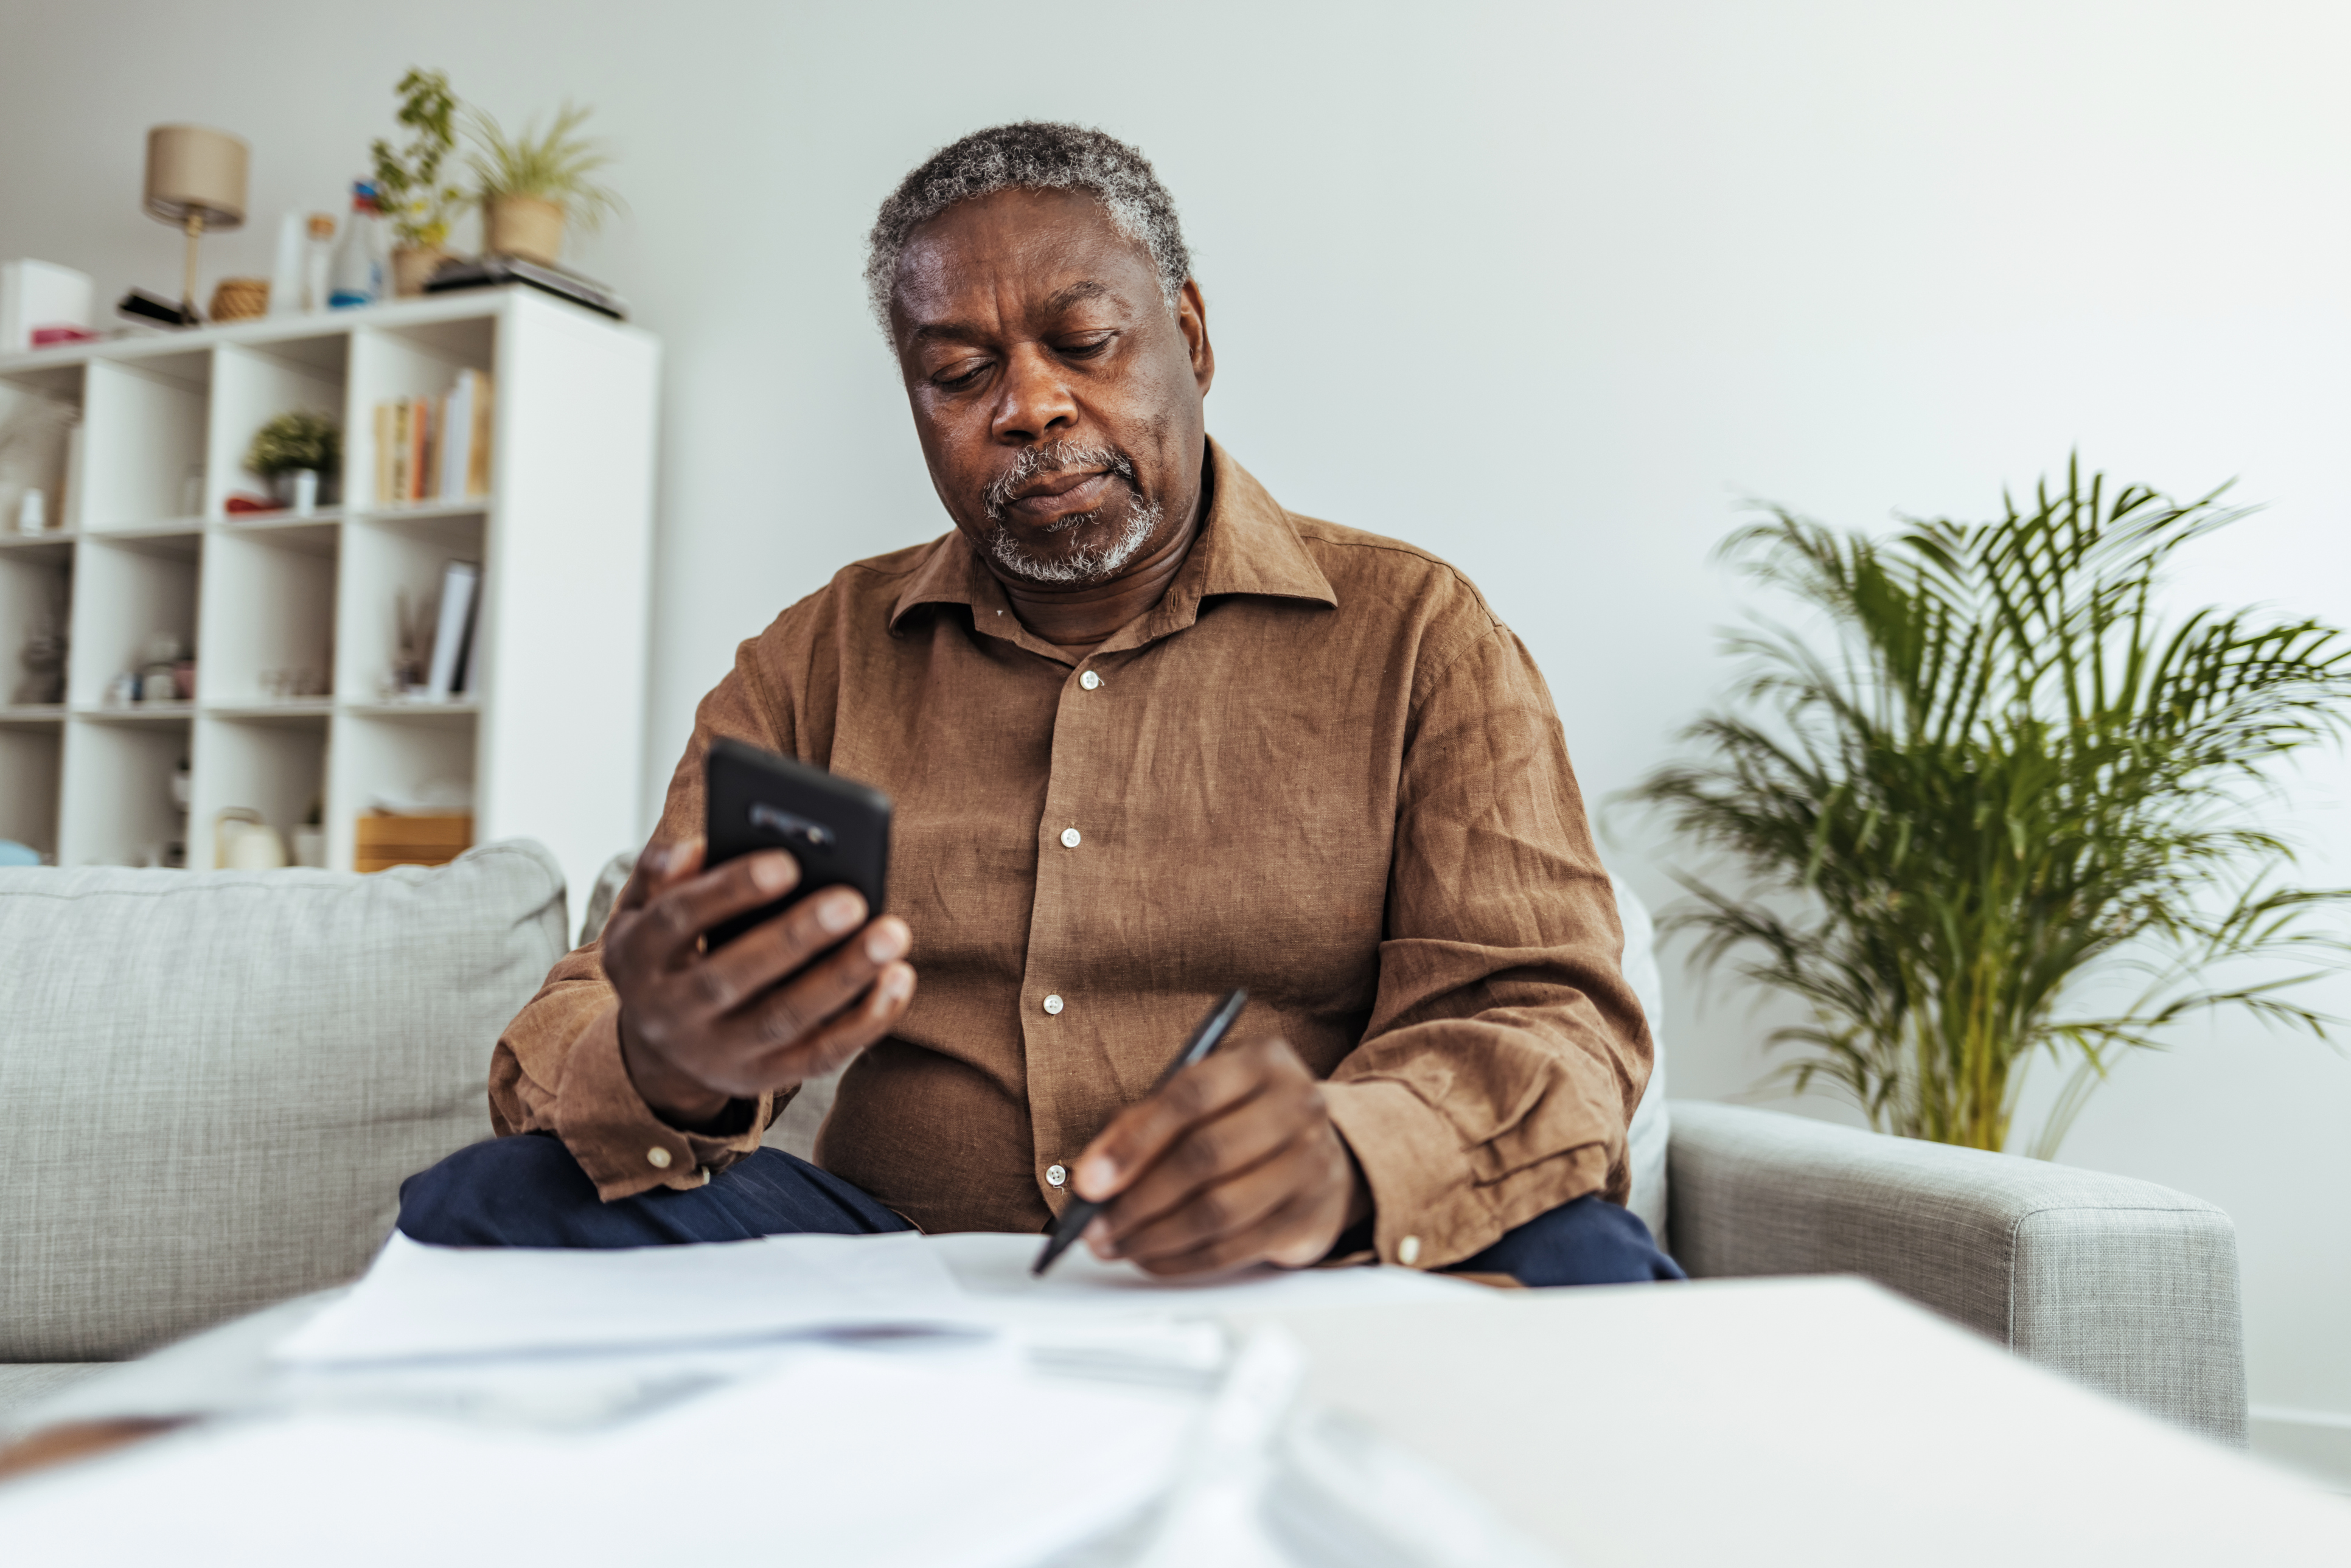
{"type": "Point", "coordinates": [524, 226]}
{"type": "Point", "coordinates": [288, 489]}
{"type": "Point", "coordinates": [297, 491]}
{"type": "Point", "coordinates": [412, 266]}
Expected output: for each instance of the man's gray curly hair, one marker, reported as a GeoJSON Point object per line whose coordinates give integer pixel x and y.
{"type": "Point", "coordinates": [1033, 155]}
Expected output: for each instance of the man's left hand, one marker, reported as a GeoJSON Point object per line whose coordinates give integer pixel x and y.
{"type": "Point", "coordinates": [1234, 1162]}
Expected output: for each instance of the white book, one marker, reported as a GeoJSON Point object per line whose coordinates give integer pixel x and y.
{"type": "Point", "coordinates": [459, 580]}
{"type": "Point", "coordinates": [457, 434]}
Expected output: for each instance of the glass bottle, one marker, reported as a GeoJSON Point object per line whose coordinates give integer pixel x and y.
{"type": "Point", "coordinates": [360, 261]}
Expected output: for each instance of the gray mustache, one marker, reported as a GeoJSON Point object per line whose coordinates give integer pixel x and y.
{"type": "Point", "coordinates": [1053, 457]}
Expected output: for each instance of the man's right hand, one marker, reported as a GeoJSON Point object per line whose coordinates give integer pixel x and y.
{"type": "Point", "coordinates": [699, 1029]}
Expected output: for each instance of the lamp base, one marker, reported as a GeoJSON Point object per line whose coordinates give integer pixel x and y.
{"type": "Point", "coordinates": [196, 230]}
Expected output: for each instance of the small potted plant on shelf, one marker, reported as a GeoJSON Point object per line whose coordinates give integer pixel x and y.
{"type": "Point", "coordinates": [529, 186]}
{"type": "Point", "coordinates": [408, 179]}
{"type": "Point", "coordinates": [301, 456]}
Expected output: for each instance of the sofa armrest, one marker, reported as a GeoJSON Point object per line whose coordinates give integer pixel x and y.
{"type": "Point", "coordinates": [2124, 1285]}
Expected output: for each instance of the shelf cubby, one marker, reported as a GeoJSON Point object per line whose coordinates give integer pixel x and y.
{"type": "Point", "coordinates": [393, 558]}
{"type": "Point", "coordinates": [36, 598]}
{"type": "Point", "coordinates": [129, 590]}
{"type": "Point", "coordinates": [252, 385]}
{"type": "Point", "coordinates": [144, 426]}
{"type": "Point", "coordinates": [37, 413]}
{"type": "Point", "coordinates": [119, 809]}
{"type": "Point", "coordinates": [273, 764]}
{"type": "Point", "coordinates": [394, 750]}
{"type": "Point", "coordinates": [420, 361]}
{"type": "Point", "coordinates": [145, 545]}
{"type": "Point", "coordinates": [32, 758]}
{"type": "Point", "coordinates": [269, 613]}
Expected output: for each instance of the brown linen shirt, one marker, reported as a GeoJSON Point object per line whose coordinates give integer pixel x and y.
{"type": "Point", "coordinates": [1318, 768]}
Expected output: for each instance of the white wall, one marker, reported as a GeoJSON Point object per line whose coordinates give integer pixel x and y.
{"type": "Point", "coordinates": [1544, 288]}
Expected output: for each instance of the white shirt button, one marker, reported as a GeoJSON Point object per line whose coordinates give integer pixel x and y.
{"type": "Point", "coordinates": [657, 1157]}
{"type": "Point", "coordinates": [1055, 1176]}
{"type": "Point", "coordinates": [1071, 838]}
{"type": "Point", "coordinates": [1053, 1004]}
{"type": "Point", "coordinates": [1408, 1250]}
{"type": "Point", "coordinates": [1090, 680]}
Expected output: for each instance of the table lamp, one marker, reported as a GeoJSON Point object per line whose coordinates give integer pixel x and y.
{"type": "Point", "coordinates": [195, 178]}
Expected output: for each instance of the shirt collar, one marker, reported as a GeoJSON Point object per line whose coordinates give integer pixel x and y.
{"type": "Point", "coordinates": [1247, 545]}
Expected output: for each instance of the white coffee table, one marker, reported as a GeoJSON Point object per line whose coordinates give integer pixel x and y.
{"type": "Point", "coordinates": [1819, 1422]}
{"type": "Point", "coordinates": [1800, 1421]}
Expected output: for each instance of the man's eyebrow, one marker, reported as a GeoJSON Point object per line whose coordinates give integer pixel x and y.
{"type": "Point", "coordinates": [1084, 288]}
{"type": "Point", "coordinates": [947, 331]}
{"type": "Point", "coordinates": [964, 331]}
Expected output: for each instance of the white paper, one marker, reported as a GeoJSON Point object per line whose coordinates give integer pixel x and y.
{"type": "Point", "coordinates": [420, 1301]}
{"type": "Point", "coordinates": [992, 1272]}
{"type": "Point", "coordinates": [958, 1459]}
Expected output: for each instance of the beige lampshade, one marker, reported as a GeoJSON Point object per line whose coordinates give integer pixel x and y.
{"type": "Point", "coordinates": [191, 169]}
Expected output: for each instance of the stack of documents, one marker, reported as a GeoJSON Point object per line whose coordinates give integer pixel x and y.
{"type": "Point", "coordinates": [869, 1400]}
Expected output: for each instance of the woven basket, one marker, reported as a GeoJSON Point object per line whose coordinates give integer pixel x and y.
{"type": "Point", "coordinates": [239, 300]}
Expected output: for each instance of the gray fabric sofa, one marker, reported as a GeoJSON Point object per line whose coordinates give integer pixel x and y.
{"type": "Point", "coordinates": [210, 1085]}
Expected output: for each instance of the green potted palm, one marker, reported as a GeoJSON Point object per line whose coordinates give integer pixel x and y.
{"type": "Point", "coordinates": [1995, 805]}
{"type": "Point", "coordinates": [532, 185]}
{"type": "Point", "coordinates": [408, 182]}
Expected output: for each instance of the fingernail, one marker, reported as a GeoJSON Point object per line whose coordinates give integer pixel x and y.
{"type": "Point", "coordinates": [1097, 1237]}
{"type": "Point", "coordinates": [1097, 1174]}
{"type": "Point", "coordinates": [881, 944]}
{"type": "Point", "coordinates": [772, 873]}
{"type": "Point", "coordinates": [838, 913]}
{"type": "Point", "coordinates": [895, 986]}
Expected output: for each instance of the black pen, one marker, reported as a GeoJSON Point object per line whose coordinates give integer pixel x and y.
{"type": "Point", "coordinates": [1080, 1213]}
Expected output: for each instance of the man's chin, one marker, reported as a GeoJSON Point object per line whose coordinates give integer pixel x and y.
{"type": "Point", "coordinates": [1074, 552]}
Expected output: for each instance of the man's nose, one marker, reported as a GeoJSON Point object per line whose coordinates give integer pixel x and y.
{"type": "Point", "coordinates": [1035, 403]}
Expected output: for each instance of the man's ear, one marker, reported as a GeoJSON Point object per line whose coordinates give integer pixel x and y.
{"type": "Point", "coordinates": [1192, 320]}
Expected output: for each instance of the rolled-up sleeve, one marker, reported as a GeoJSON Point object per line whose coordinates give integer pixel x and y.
{"type": "Point", "coordinates": [1505, 1054]}
{"type": "Point", "coordinates": [558, 1067]}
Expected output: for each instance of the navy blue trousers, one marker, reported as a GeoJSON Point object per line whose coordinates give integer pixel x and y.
{"type": "Point", "coordinates": [529, 1192]}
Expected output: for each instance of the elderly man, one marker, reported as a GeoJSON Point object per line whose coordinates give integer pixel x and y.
{"type": "Point", "coordinates": [1150, 737]}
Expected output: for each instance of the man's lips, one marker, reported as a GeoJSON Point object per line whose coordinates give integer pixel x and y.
{"type": "Point", "coordinates": [1061, 494]}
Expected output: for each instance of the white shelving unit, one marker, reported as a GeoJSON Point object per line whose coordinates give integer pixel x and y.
{"type": "Point", "coordinates": [550, 734]}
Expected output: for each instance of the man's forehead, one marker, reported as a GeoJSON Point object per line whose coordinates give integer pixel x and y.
{"type": "Point", "coordinates": [1057, 249]}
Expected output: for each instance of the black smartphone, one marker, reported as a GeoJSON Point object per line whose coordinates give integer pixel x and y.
{"type": "Point", "coordinates": [838, 829]}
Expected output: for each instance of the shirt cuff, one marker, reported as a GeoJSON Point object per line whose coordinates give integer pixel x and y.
{"type": "Point", "coordinates": [1429, 1210]}
{"type": "Point", "coordinates": [618, 1140]}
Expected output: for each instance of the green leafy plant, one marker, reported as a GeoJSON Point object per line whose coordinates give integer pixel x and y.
{"type": "Point", "coordinates": [557, 166]}
{"type": "Point", "coordinates": [408, 179]}
{"type": "Point", "coordinates": [1994, 805]}
{"type": "Point", "coordinates": [296, 441]}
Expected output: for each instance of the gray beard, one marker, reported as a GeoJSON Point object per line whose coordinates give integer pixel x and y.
{"type": "Point", "coordinates": [1088, 563]}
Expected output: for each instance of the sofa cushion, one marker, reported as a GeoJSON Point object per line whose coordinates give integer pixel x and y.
{"type": "Point", "coordinates": [211, 1084]}
{"type": "Point", "coordinates": [1646, 1138]}
{"type": "Point", "coordinates": [26, 1386]}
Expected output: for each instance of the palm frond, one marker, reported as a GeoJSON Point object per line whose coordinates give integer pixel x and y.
{"type": "Point", "coordinates": [1998, 773]}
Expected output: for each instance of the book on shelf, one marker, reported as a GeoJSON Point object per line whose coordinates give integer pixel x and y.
{"type": "Point", "coordinates": [434, 448]}
{"type": "Point", "coordinates": [453, 633]}
{"type": "Point", "coordinates": [436, 657]}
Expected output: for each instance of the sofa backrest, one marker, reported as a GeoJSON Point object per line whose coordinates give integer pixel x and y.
{"type": "Point", "coordinates": [213, 1083]}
